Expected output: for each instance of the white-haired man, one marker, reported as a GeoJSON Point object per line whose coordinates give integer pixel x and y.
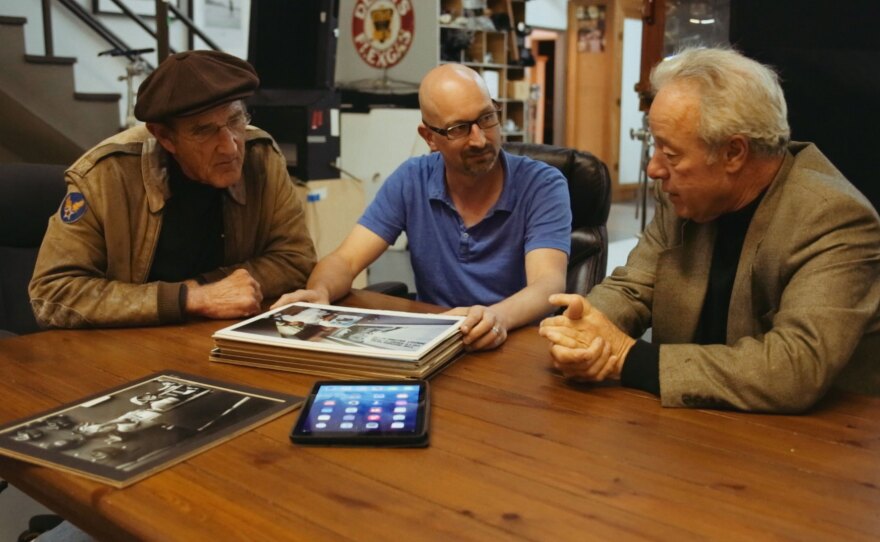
{"type": "Point", "coordinates": [759, 272]}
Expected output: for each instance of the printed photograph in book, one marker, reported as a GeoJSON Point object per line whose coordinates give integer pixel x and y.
{"type": "Point", "coordinates": [324, 324]}
{"type": "Point", "coordinates": [125, 434]}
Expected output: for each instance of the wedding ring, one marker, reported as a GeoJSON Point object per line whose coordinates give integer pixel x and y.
{"type": "Point", "coordinates": [496, 330]}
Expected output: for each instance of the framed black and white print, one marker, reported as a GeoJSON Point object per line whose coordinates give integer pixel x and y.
{"type": "Point", "coordinates": [124, 434]}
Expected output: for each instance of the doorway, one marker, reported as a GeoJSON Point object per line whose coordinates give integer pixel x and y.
{"type": "Point", "coordinates": [548, 125]}
{"type": "Point", "coordinates": [631, 118]}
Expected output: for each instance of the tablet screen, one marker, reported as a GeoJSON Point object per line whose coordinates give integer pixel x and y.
{"type": "Point", "coordinates": [346, 411]}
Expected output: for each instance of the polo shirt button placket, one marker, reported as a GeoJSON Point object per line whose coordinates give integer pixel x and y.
{"type": "Point", "coordinates": [463, 245]}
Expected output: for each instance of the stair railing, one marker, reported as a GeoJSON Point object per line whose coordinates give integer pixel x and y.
{"type": "Point", "coordinates": [193, 29]}
{"type": "Point", "coordinates": [160, 34]}
{"type": "Point", "coordinates": [97, 26]}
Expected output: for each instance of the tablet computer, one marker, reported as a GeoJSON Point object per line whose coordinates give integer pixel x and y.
{"type": "Point", "coordinates": [364, 413]}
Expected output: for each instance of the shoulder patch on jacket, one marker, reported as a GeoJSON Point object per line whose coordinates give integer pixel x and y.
{"type": "Point", "coordinates": [73, 208]}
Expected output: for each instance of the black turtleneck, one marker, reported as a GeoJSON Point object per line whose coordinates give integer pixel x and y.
{"type": "Point", "coordinates": [642, 367]}
{"type": "Point", "coordinates": [191, 240]}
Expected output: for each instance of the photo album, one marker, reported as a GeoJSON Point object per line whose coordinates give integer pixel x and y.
{"type": "Point", "coordinates": [334, 341]}
{"type": "Point", "coordinates": [125, 434]}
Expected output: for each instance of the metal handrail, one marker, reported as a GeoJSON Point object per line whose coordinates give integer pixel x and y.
{"type": "Point", "coordinates": [140, 22]}
{"type": "Point", "coordinates": [89, 21]}
{"type": "Point", "coordinates": [192, 27]}
{"type": "Point", "coordinates": [49, 48]}
{"type": "Point", "coordinates": [160, 34]}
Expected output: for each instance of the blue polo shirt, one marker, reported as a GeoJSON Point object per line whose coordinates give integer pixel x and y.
{"type": "Point", "coordinates": [484, 264]}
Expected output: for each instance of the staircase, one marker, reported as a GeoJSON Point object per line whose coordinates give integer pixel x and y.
{"type": "Point", "coordinates": [44, 119]}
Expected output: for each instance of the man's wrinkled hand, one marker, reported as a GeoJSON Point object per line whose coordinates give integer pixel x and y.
{"type": "Point", "coordinates": [593, 363]}
{"type": "Point", "coordinates": [237, 295]}
{"type": "Point", "coordinates": [584, 343]}
{"type": "Point", "coordinates": [482, 328]}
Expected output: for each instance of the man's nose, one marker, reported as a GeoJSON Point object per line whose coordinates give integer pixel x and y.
{"type": "Point", "coordinates": [226, 139]}
{"type": "Point", "coordinates": [656, 168]}
{"type": "Point", "coordinates": [477, 137]}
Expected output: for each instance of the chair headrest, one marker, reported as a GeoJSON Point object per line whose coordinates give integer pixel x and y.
{"type": "Point", "coordinates": [589, 184]}
{"type": "Point", "coordinates": [29, 195]}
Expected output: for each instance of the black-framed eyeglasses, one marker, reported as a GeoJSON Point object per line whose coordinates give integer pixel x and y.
{"type": "Point", "coordinates": [462, 129]}
{"type": "Point", "coordinates": [236, 124]}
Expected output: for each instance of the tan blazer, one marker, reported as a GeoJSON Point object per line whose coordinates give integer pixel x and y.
{"type": "Point", "coordinates": [804, 302]}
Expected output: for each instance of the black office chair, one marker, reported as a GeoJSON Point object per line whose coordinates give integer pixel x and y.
{"type": "Point", "coordinates": [589, 187]}
{"type": "Point", "coordinates": [29, 195]}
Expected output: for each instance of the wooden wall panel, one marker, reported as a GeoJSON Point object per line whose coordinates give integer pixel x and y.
{"type": "Point", "coordinates": [593, 85]}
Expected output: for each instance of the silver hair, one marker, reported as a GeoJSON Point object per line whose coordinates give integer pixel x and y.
{"type": "Point", "coordinates": [737, 96]}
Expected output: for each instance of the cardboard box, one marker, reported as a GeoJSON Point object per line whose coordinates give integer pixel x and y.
{"type": "Point", "coordinates": [518, 90]}
{"type": "Point", "coordinates": [332, 209]}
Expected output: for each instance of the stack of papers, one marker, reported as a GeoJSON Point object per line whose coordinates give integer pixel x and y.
{"type": "Point", "coordinates": [341, 342]}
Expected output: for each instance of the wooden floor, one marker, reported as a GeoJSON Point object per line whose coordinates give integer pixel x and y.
{"type": "Point", "coordinates": [15, 510]}
{"type": "Point", "coordinates": [624, 221]}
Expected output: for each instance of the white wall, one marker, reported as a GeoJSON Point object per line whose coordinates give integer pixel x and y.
{"type": "Point", "coordinates": [97, 74]}
{"type": "Point", "coordinates": [551, 14]}
{"type": "Point", "coordinates": [630, 116]}
{"type": "Point", "coordinates": [229, 29]}
{"type": "Point", "coordinates": [374, 144]}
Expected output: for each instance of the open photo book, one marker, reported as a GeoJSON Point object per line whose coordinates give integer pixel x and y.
{"type": "Point", "coordinates": [124, 434]}
{"type": "Point", "coordinates": [330, 340]}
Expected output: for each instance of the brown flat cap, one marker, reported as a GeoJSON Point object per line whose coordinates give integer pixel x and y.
{"type": "Point", "coordinates": [192, 82]}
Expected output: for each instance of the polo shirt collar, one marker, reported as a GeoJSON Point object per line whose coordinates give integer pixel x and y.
{"type": "Point", "coordinates": [506, 201]}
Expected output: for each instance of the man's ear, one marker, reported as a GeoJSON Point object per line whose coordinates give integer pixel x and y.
{"type": "Point", "coordinates": [162, 134]}
{"type": "Point", "coordinates": [428, 136]}
{"type": "Point", "coordinates": [736, 152]}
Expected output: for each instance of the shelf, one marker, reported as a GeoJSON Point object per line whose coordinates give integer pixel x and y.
{"type": "Point", "coordinates": [509, 67]}
{"type": "Point", "coordinates": [477, 65]}
{"type": "Point", "coordinates": [489, 53]}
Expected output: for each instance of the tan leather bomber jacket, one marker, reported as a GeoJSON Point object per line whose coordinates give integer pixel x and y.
{"type": "Point", "coordinates": [92, 272]}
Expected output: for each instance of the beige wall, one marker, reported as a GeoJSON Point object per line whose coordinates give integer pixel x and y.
{"type": "Point", "coordinates": [332, 209]}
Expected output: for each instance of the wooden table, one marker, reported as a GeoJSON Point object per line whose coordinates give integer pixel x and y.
{"type": "Point", "coordinates": [515, 454]}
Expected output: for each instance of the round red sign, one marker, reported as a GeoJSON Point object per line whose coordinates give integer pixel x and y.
{"type": "Point", "coordinates": [383, 31]}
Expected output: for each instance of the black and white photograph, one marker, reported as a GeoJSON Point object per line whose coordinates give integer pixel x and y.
{"type": "Point", "coordinates": [337, 329]}
{"type": "Point", "coordinates": [126, 434]}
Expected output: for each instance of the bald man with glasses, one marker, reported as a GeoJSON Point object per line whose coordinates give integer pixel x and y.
{"type": "Point", "coordinates": [190, 215]}
{"type": "Point", "coordinates": [488, 233]}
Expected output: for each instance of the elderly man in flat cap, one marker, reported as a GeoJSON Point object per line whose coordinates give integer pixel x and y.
{"type": "Point", "coordinates": [192, 215]}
